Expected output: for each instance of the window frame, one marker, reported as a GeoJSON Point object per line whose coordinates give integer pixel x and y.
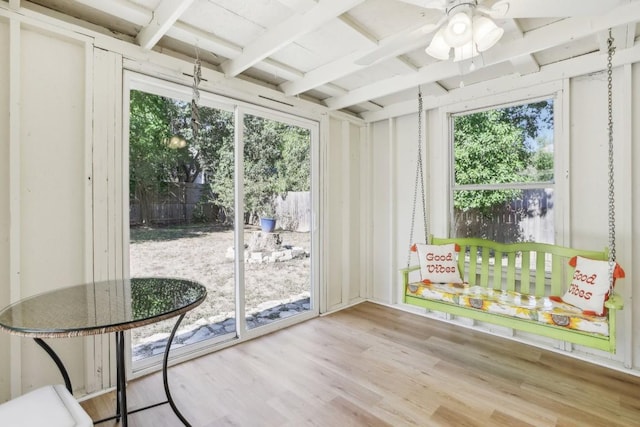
{"type": "Point", "coordinates": [560, 184]}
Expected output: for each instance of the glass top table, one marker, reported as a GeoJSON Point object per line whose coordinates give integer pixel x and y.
{"type": "Point", "coordinates": [101, 307]}
{"type": "Point", "coordinates": [104, 307]}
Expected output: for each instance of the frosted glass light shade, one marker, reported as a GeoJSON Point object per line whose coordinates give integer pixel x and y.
{"type": "Point", "coordinates": [438, 48]}
{"type": "Point", "coordinates": [458, 30]}
{"type": "Point", "coordinates": [466, 51]}
{"type": "Point", "coordinates": [485, 33]}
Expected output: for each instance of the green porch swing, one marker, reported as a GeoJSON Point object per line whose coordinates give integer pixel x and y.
{"type": "Point", "coordinates": [557, 292]}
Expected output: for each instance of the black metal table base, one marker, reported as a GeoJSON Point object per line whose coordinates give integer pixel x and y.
{"type": "Point", "coordinates": [58, 362]}
{"type": "Point", "coordinates": [122, 411]}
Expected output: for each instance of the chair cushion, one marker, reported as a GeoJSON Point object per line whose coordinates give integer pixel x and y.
{"type": "Point", "coordinates": [542, 310]}
{"type": "Point", "coordinates": [51, 406]}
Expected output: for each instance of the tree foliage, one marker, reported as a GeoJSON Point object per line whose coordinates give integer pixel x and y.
{"type": "Point", "coordinates": [495, 147]}
{"type": "Point", "coordinates": [276, 155]}
{"type": "Point", "coordinates": [277, 160]}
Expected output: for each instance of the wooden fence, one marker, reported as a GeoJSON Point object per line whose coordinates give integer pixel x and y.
{"type": "Point", "coordinates": [293, 212]}
{"type": "Point", "coordinates": [181, 203]}
{"type": "Point", "coordinates": [175, 203]}
{"type": "Point", "coordinates": [529, 218]}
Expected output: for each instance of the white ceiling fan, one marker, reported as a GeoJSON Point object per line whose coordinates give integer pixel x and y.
{"type": "Point", "coordinates": [467, 28]}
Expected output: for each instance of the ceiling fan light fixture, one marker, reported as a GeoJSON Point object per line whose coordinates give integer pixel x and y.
{"type": "Point", "coordinates": [438, 48]}
{"type": "Point", "coordinates": [458, 29]}
{"type": "Point", "coordinates": [485, 33]}
{"type": "Point", "coordinates": [466, 51]}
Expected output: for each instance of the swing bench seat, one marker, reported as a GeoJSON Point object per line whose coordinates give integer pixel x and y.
{"type": "Point", "coordinates": [514, 293]}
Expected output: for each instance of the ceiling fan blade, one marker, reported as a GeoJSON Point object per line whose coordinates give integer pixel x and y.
{"type": "Point", "coordinates": [401, 43]}
{"type": "Point", "coordinates": [554, 8]}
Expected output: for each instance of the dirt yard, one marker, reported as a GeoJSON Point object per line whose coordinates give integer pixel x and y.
{"type": "Point", "coordinates": [199, 253]}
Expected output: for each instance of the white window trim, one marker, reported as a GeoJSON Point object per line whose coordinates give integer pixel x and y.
{"type": "Point", "coordinates": [558, 90]}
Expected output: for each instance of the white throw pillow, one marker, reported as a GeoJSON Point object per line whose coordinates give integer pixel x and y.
{"type": "Point", "coordinates": [589, 287]}
{"type": "Point", "coordinates": [439, 263]}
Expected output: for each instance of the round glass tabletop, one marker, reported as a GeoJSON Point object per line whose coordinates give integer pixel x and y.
{"type": "Point", "coordinates": [101, 307]}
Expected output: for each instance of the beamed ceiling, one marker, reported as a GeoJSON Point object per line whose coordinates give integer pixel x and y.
{"type": "Point", "coordinates": [358, 56]}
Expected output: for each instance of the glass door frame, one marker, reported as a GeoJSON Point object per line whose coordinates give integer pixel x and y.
{"type": "Point", "coordinates": [313, 127]}
{"type": "Point", "coordinates": [182, 91]}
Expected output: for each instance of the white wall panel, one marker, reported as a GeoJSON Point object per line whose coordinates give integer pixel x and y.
{"type": "Point", "coordinates": [52, 203]}
{"type": "Point", "coordinates": [334, 215]}
{"type": "Point", "coordinates": [634, 305]}
{"type": "Point", "coordinates": [343, 210]}
{"type": "Point", "coordinates": [381, 210]}
{"type": "Point", "coordinates": [355, 150]}
{"type": "Point", "coordinates": [589, 183]}
{"type": "Point", "coordinates": [406, 158]}
{"type": "Point", "coordinates": [588, 164]}
{"type": "Point", "coordinates": [4, 201]}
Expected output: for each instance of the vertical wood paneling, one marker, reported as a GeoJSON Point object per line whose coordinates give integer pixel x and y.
{"type": "Point", "coordinates": [107, 199]}
{"type": "Point", "coordinates": [343, 168]}
{"type": "Point", "coordinates": [11, 123]}
{"type": "Point", "coordinates": [634, 306]}
{"type": "Point", "coordinates": [52, 174]}
{"type": "Point", "coordinates": [381, 206]}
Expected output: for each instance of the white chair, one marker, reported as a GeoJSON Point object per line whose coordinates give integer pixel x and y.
{"type": "Point", "coordinates": [50, 406]}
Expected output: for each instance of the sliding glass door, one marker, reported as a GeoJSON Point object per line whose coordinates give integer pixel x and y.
{"type": "Point", "coordinates": [199, 201]}
{"type": "Point", "coordinates": [277, 195]}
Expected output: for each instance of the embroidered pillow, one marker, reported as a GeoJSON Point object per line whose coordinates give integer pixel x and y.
{"type": "Point", "coordinates": [589, 287]}
{"type": "Point", "coordinates": [439, 263]}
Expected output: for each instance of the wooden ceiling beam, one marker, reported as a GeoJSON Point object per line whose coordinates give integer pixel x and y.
{"type": "Point", "coordinates": [207, 42]}
{"type": "Point", "coordinates": [524, 64]}
{"type": "Point", "coordinates": [165, 15]}
{"type": "Point", "coordinates": [554, 72]}
{"type": "Point", "coordinates": [346, 65]}
{"type": "Point", "coordinates": [190, 35]}
{"type": "Point", "coordinates": [285, 33]}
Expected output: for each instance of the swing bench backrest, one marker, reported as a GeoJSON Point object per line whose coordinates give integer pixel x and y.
{"type": "Point", "coordinates": [538, 269]}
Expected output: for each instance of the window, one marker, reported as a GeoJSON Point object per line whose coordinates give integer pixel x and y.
{"type": "Point", "coordinates": [503, 173]}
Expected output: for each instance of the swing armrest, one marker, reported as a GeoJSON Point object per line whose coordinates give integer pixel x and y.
{"type": "Point", "coordinates": [615, 302]}
{"type": "Point", "coordinates": [405, 273]}
{"type": "Point", "coordinates": [409, 269]}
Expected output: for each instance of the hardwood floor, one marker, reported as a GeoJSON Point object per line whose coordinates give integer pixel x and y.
{"type": "Point", "coordinates": [375, 366]}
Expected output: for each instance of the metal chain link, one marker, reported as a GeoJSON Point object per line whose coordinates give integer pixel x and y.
{"type": "Point", "coordinates": [419, 182]}
{"type": "Point", "coordinates": [195, 100]}
{"type": "Point", "coordinates": [612, 212]}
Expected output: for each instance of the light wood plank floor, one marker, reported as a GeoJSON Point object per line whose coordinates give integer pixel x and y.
{"type": "Point", "coordinates": [375, 366]}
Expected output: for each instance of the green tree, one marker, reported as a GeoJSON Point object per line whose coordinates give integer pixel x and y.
{"type": "Point", "coordinates": [501, 146]}
{"type": "Point", "coordinates": [164, 149]}
{"type": "Point", "coordinates": [542, 161]}
{"type": "Point", "coordinates": [150, 158]}
{"type": "Point", "coordinates": [489, 149]}
{"type": "Point", "coordinates": [262, 152]}
{"type": "Point", "coordinates": [294, 169]}
{"type": "Point", "coordinates": [531, 118]}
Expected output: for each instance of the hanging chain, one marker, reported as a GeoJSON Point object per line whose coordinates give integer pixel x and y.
{"type": "Point", "coordinates": [419, 182]}
{"type": "Point", "coordinates": [195, 100]}
{"type": "Point", "coordinates": [612, 212]}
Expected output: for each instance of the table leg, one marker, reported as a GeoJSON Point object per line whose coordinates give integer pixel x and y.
{"type": "Point", "coordinates": [121, 385]}
{"type": "Point", "coordinates": [165, 361]}
{"type": "Point", "coordinates": [58, 362]}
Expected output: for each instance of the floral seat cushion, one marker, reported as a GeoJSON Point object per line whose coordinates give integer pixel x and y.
{"type": "Point", "coordinates": [538, 309]}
